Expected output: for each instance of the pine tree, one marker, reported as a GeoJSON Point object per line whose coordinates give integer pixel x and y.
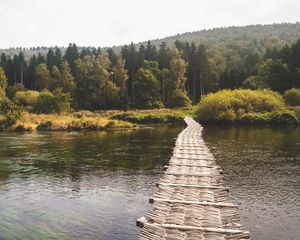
{"type": "Point", "coordinates": [112, 57]}
{"type": "Point", "coordinates": [57, 57]}
{"type": "Point", "coordinates": [132, 62]}
{"type": "Point", "coordinates": [71, 55]}
{"type": "Point", "coordinates": [50, 59]}
{"type": "Point", "coordinates": [163, 57]}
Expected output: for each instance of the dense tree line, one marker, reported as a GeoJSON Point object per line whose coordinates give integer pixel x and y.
{"type": "Point", "coordinates": [142, 78]}
{"type": "Point", "coordinates": [148, 76]}
{"type": "Point", "coordinates": [277, 69]}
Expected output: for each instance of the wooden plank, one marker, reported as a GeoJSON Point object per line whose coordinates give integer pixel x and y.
{"type": "Point", "coordinates": [197, 158]}
{"type": "Point", "coordinates": [192, 186]}
{"type": "Point", "coordinates": [212, 204]}
{"type": "Point", "coordinates": [192, 165]}
{"type": "Point", "coordinates": [192, 174]}
{"type": "Point", "coordinates": [191, 170]}
{"type": "Point", "coordinates": [202, 229]}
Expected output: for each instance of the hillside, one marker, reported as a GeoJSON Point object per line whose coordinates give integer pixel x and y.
{"type": "Point", "coordinates": [234, 44]}
{"type": "Point", "coordinates": [227, 42]}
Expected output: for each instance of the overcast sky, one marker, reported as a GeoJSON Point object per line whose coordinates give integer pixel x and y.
{"type": "Point", "coordinates": [113, 22]}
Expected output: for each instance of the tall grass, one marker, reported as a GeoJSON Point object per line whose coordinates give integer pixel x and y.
{"type": "Point", "coordinates": [54, 122]}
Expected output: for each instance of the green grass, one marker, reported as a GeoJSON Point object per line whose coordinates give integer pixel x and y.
{"type": "Point", "coordinates": [153, 116]}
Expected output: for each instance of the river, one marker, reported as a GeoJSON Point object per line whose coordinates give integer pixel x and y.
{"type": "Point", "coordinates": [94, 185]}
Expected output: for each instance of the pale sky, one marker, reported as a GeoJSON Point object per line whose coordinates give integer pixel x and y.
{"type": "Point", "coordinates": [103, 23]}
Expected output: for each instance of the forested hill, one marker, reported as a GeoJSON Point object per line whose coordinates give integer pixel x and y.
{"type": "Point", "coordinates": [168, 72]}
{"type": "Point", "coordinates": [261, 36]}
{"type": "Point", "coordinates": [227, 39]}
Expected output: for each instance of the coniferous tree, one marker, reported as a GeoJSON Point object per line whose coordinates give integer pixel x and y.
{"type": "Point", "coordinates": [31, 82]}
{"type": "Point", "coordinates": [150, 52]}
{"type": "Point", "coordinates": [163, 56]}
{"type": "Point", "coordinates": [132, 61]}
{"type": "Point", "coordinates": [50, 59]}
{"type": "Point", "coordinates": [71, 55]}
{"type": "Point", "coordinates": [57, 57]}
{"type": "Point", "coordinates": [112, 57]}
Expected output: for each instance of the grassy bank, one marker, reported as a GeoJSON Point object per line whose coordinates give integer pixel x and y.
{"type": "Point", "coordinates": [70, 122]}
{"type": "Point", "coordinates": [153, 116]}
{"type": "Point", "coordinates": [285, 117]}
{"type": "Point", "coordinates": [94, 121]}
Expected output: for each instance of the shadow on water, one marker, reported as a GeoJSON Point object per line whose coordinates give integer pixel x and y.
{"type": "Point", "coordinates": [262, 168]}
{"type": "Point", "coordinates": [88, 185]}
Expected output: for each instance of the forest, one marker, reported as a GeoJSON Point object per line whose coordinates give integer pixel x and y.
{"type": "Point", "coordinates": [147, 76]}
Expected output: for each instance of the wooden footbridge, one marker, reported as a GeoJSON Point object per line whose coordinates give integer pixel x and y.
{"type": "Point", "coordinates": [190, 202]}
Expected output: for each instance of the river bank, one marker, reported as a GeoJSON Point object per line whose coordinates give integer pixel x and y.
{"type": "Point", "coordinates": [93, 121]}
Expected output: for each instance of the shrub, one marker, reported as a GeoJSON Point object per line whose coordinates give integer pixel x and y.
{"type": "Point", "coordinates": [45, 102]}
{"type": "Point", "coordinates": [11, 113]}
{"type": "Point", "coordinates": [231, 105]}
{"type": "Point", "coordinates": [256, 118]}
{"type": "Point", "coordinates": [297, 112]}
{"type": "Point", "coordinates": [62, 101]}
{"type": "Point", "coordinates": [180, 99]}
{"type": "Point", "coordinates": [285, 117]}
{"type": "Point", "coordinates": [55, 102]}
{"type": "Point", "coordinates": [292, 97]}
{"type": "Point", "coordinates": [26, 98]}
{"type": "Point", "coordinates": [280, 117]}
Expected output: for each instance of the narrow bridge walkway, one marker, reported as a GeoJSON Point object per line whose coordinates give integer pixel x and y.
{"type": "Point", "coordinates": [190, 202]}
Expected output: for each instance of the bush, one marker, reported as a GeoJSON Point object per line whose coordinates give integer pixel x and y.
{"type": "Point", "coordinates": [180, 99]}
{"type": "Point", "coordinates": [55, 102]}
{"type": "Point", "coordinates": [256, 118]}
{"type": "Point", "coordinates": [232, 105]}
{"type": "Point", "coordinates": [285, 117]}
{"type": "Point", "coordinates": [11, 113]}
{"type": "Point", "coordinates": [26, 98]}
{"type": "Point", "coordinates": [281, 117]}
{"type": "Point", "coordinates": [292, 97]}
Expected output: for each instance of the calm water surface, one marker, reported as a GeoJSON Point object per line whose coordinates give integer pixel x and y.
{"type": "Point", "coordinates": [95, 185]}
{"type": "Point", "coordinates": [79, 185]}
{"type": "Point", "coordinates": [262, 168]}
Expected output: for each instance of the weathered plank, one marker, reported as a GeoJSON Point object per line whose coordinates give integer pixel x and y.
{"type": "Point", "coordinates": [190, 202]}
